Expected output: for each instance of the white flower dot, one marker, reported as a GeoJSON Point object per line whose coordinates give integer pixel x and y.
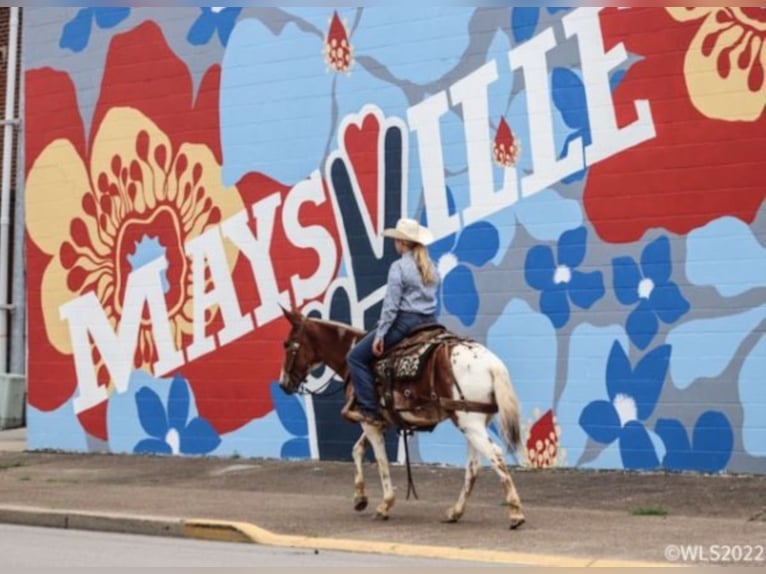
{"type": "Point", "coordinates": [217, 9]}
{"type": "Point", "coordinates": [645, 288]}
{"type": "Point", "coordinates": [626, 408]}
{"type": "Point", "coordinates": [173, 439]}
{"type": "Point", "coordinates": [447, 263]}
{"type": "Point", "coordinates": [563, 274]}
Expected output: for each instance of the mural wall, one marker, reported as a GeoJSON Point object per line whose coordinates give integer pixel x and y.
{"type": "Point", "coordinates": [594, 177]}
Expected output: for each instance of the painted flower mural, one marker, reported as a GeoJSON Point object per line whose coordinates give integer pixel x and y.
{"type": "Point", "coordinates": [709, 449]}
{"type": "Point", "coordinates": [558, 278]}
{"type": "Point", "coordinates": [650, 286]}
{"type": "Point", "coordinates": [76, 33]}
{"type": "Point", "coordinates": [214, 20]}
{"type": "Point", "coordinates": [145, 181]}
{"type": "Point", "coordinates": [703, 152]}
{"type": "Point", "coordinates": [632, 397]}
{"type": "Point", "coordinates": [169, 428]}
{"type": "Point", "coordinates": [725, 62]}
{"type": "Point", "coordinates": [456, 255]}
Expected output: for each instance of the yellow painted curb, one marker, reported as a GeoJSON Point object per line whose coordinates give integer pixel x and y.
{"type": "Point", "coordinates": [222, 530]}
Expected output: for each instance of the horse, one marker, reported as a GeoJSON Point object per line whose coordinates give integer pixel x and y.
{"type": "Point", "coordinates": [473, 384]}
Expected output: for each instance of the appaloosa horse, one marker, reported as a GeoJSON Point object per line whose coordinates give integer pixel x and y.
{"type": "Point", "coordinates": [471, 384]}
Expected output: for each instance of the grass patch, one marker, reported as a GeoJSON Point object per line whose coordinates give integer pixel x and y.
{"type": "Point", "coordinates": [649, 511]}
{"type": "Point", "coordinates": [8, 465]}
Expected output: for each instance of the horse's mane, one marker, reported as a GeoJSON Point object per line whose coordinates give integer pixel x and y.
{"type": "Point", "coordinates": [338, 326]}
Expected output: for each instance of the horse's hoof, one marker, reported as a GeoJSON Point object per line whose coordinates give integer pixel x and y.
{"type": "Point", "coordinates": [360, 503]}
{"type": "Point", "coordinates": [516, 522]}
{"type": "Point", "coordinates": [381, 516]}
{"type": "Point", "coordinates": [451, 517]}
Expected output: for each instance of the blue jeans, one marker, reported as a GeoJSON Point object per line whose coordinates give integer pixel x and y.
{"type": "Point", "coordinates": [360, 357]}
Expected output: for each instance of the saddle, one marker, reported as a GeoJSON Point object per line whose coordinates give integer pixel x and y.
{"type": "Point", "coordinates": [415, 375]}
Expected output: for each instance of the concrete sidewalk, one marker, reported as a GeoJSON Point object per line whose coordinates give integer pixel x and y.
{"type": "Point", "coordinates": [574, 518]}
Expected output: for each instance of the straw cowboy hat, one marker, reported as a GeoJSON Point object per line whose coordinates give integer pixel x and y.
{"type": "Point", "coordinates": [410, 230]}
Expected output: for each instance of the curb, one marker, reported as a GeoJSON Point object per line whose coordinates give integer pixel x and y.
{"type": "Point", "coordinates": [244, 532]}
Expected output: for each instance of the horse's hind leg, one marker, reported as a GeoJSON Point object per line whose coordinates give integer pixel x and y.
{"type": "Point", "coordinates": [478, 436]}
{"type": "Point", "coordinates": [360, 498]}
{"type": "Point", "coordinates": [471, 472]}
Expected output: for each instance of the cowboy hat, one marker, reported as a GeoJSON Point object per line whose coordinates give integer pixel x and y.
{"type": "Point", "coordinates": [410, 230]}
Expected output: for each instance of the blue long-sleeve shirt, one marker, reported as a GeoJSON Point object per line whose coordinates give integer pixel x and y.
{"type": "Point", "coordinates": [405, 291]}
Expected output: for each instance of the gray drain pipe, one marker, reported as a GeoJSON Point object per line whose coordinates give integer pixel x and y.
{"type": "Point", "coordinates": [9, 126]}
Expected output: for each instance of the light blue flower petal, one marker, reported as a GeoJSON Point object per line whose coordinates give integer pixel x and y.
{"type": "Point", "coordinates": [726, 254]}
{"type": "Point", "coordinates": [152, 446]}
{"type": "Point", "coordinates": [435, 38]}
{"type": "Point", "coordinates": [477, 243]}
{"type": "Point", "coordinates": [589, 348]}
{"type": "Point", "coordinates": [655, 260]}
{"type": "Point", "coordinates": [76, 32]}
{"type": "Point", "coordinates": [626, 277]}
{"type": "Point", "coordinates": [499, 91]}
{"type": "Point", "coordinates": [460, 296]}
{"type": "Point", "coordinates": [262, 437]}
{"type": "Point", "coordinates": [601, 422]}
{"type": "Point", "coordinates": [619, 372]}
{"type": "Point", "coordinates": [678, 449]}
{"type": "Point", "coordinates": [571, 247]}
{"type": "Point", "coordinates": [586, 288]}
{"type": "Point", "coordinates": [526, 341]}
{"type": "Point", "coordinates": [202, 29]}
{"type": "Point", "coordinates": [539, 267]}
{"type": "Point", "coordinates": [290, 411]}
{"type": "Point", "coordinates": [642, 324]}
{"type": "Point", "coordinates": [226, 22]}
{"type": "Point", "coordinates": [648, 379]}
{"type": "Point", "coordinates": [546, 215]}
{"type": "Point", "coordinates": [151, 413]}
{"type": "Point", "coordinates": [668, 302]}
{"type": "Point", "coordinates": [524, 23]}
{"type": "Point", "coordinates": [275, 118]}
{"type": "Point", "coordinates": [178, 403]}
{"type": "Point", "coordinates": [295, 448]}
{"type": "Point", "coordinates": [554, 303]}
{"type": "Point", "coordinates": [752, 396]}
{"type": "Point", "coordinates": [704, 347]}
{"type": "Point", "coordinates": [59, 429]}
{"type": "Point", "coordinates": [199, 437]}
{"type": "Point", "coordinates": [110, 17]}
{"type": "Point", "coordinates": [712, 442]}
{"type": "Point", "coordinates": [637, 448]}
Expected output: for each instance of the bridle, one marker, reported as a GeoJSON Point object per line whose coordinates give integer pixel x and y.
{"type": "Point", "coordinates": [292, 348]}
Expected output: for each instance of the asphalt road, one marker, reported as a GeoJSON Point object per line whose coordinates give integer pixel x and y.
{"type": "Point", "coordinates": [31, 547]}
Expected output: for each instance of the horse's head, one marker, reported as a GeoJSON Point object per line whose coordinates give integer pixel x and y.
{"type": "Point", "coordinates": [300, 356]}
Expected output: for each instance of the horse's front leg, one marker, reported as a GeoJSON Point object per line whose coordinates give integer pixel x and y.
{"type": "Point", "coordinates": [374, 434]}
{"type": "Point", "coordinates": [360, 498]}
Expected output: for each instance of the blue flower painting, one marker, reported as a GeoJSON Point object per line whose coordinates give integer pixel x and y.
{"type": "Point", "coordinates": [650, 286]}
{"type": "Point", "coordinates": [168, 426]}
{"type": "Point", "coordinates": [76, 33]}
{"type": "Point", "coordinates": [559, 280]}
{"type": "Point", "coordinates": [293, 419]}
{"type": "Point", "coordinates": [632, 396]}
{"type": "Point", "coordinates": [454, 255]}
{"type": "Point", "coordinates": [710, 447]}
{"type": "Point", "coordinates": [211, 20]}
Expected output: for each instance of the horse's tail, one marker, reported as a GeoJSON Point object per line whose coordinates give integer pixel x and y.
{"type": "Point", "coordinates": [507, 405]}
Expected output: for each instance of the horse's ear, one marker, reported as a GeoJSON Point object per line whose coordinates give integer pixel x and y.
{"type": "Point", "coordinates": [289, 315]}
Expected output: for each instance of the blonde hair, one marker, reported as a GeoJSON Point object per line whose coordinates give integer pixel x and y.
{"type": "Point", "coordinates": [423, 261]}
